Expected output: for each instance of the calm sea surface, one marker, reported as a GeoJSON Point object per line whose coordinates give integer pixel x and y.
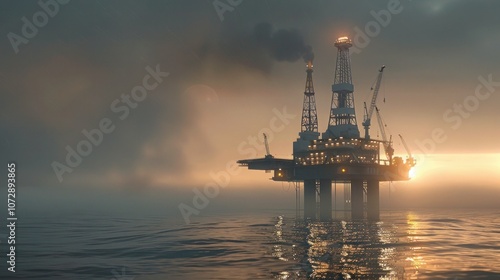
{"type": "Point", "coordinates": [420, 244]}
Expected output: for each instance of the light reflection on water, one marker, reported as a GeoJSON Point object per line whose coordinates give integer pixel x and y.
{"type": "Point", "coordinates": [341, 250]}
{"type": "Point", "coordinates": [403, 245]}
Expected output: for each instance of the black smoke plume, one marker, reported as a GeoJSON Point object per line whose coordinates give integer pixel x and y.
{"type": "Point", "coordinates": [283, 44]}
{"type": "Point", "coordinates": [258, 48]}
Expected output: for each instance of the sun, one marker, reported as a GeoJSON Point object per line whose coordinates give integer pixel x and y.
{"type": "Point", "coordinates": [412, 173]}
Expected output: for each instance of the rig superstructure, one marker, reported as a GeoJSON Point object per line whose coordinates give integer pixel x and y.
{"type": "Point", "coordinates": [340, 155]}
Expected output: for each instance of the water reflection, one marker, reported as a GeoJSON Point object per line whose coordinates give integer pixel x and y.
{"type": "Point", "coordinates": [339, 250]}
{"type": "Point", "coordinates": [416, 259]}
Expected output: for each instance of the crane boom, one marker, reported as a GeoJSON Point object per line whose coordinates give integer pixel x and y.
{"type": "Point", "coordinates": [268, 153]}
{"type": "Point", "coordinates": [406, 146]}
{"type": "Point", "coordinates": [410, 160]}
{"type": "Point", "coordinates": [369, 112]}
{"type": "Point", "coordinates": [389, 151]}
{"type": "Point", "coordinates": [381, 125]}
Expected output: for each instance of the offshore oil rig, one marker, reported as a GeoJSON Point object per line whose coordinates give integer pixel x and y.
{"type": "Point", "coordinates": [340, 155]}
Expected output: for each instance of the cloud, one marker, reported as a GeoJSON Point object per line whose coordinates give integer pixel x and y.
{"type": "Point", "coordinates": [48, 104]}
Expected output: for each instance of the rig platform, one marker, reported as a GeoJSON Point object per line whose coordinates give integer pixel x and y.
{"type": "Point", "coordinates": [340, 155]}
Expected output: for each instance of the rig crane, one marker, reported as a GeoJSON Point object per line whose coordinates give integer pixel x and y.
{"type": "Point", "coordinates": [268, 153]}
{"type": "Point", "coordinates": [410, 160]}
{"type": "Point", "coordinates": [389, 151]}
{"type": "Point", "coordinates": [369, 112]}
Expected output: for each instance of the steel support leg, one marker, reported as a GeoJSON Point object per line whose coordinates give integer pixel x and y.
{"type": "Point", "coordinates": [325, 200]}
{"type": "Point", "coordinates": [373, 200]}
{"type": "Point", "coordinates": [357, 199]}
{"type": "Point", "coordinates": [309, 199]}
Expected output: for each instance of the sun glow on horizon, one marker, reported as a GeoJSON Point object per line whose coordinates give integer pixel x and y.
{"type": "Point", "coordinates": [456, 168]}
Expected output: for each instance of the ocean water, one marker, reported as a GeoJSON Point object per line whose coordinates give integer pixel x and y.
{"type": "Point", "coordinates": [421, 244]}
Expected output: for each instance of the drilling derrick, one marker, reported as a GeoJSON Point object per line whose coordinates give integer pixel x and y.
{"type": "Point", "coordinates": [309, 123]}
{"type": "Point", "coordinates": [309, 114]}
{"type": "Point", "coordinates": [342, 121]}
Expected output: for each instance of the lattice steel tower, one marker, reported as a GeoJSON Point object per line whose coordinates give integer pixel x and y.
{"type": "Point", "coordinates": [342, 121]}
{"type": "Point", "coordinates": [309, 114]}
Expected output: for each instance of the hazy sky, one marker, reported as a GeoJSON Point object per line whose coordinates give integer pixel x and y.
{"type": "Point", "coordinates": [226, 80]}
